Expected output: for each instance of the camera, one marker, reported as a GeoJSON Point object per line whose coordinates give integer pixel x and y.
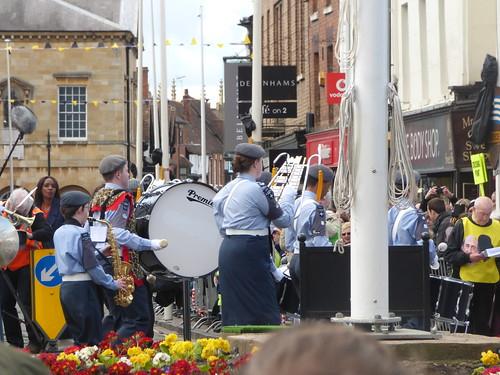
{"type": "Point", "coordinates": [439, 190]}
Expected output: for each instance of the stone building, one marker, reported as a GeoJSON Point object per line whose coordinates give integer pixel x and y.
{"type": "Point", "coordinates": [74, 65]}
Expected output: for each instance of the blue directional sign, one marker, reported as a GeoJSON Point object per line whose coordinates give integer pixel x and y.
{"type": "Point", "coordinates": [46, 271]}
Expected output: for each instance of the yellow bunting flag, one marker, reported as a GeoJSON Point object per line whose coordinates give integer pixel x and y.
{"type": "Point", "coordinates": [95, 102]}
{"type": "Point", "coordinates": [87, 48]}
{"type": "Point", "coordinates": [220, 45]}
{"type": "Point", "coordinates": [247, 40]}
{"type": "Point", "coordinates": [193, 42]}
{"type": "Point", "coordinates": [75, 102]}
{"type": "Point", "coordinates": [114, 46]}
{"type": "Point", "coordinates": [32, 101]}
{"type": "Point", "coordinates": [34, 47]}
{"type": "Point", "coordinates": [116, 101]}
{"type": "Point", "coordinates": [135, 101]}
{"type": "Point", "coordinates": [60, 49]}
{"type": "Point", "coordinates": [167, 43]}
{"type": "Point", "coordinates": [12, 101]}
{"type": "Point", "coordinates": [53, 101]}
{"type": "Point", "coordinates": [9, 47]}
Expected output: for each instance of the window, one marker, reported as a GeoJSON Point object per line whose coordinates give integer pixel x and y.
{"type": "Point", "coordinates": [73, 112]}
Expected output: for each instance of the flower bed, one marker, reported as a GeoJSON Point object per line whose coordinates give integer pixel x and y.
{"type": "Point", "coordinates": [489, 359]}
{"type": "Point", "coordinates": [139, 355]}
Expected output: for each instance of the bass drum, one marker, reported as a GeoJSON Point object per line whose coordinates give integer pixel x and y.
{"type": "Point", "coordinates": [181, 213]}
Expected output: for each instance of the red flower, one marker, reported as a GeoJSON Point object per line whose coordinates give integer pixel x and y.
{"type": "Point", "coordinates": [48, 358]}
{"type": "Point", "coordinates": [156, 371]}
{"type": "Point", "coordinates": [119, 368]}
{"type": "Point", "coordinates": [71, 349]}
{"type": "Point", "coordinates": [140, 373]}
{"type": "Point", "coordinates": [64, 367]}
{"type": "Point", "coordinates": [84, 372]}
{"type": "Point", "coordinates": [111, 336]}
{"type": "Point", "coordinates": [240, 362]}
{"type": "Point", "coordinates": [181, 367]}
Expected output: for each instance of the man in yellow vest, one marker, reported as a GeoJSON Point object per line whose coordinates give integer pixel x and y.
{"type": "Point", "coordinates": [473, 266]}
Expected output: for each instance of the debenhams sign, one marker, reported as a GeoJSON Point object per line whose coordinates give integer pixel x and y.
{"type": "Point", "coordinates": [278, 83]}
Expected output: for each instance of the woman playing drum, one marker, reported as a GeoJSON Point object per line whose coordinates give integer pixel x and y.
{"type": "Point", "coordinates": [243, 211]}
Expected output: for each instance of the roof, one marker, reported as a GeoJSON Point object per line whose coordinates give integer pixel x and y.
{"type": "Point", "coordinates": [69, 15]}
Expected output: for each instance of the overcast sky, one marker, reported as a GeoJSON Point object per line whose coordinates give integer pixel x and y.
{"type": "Point", "coordinates": [220, 26]}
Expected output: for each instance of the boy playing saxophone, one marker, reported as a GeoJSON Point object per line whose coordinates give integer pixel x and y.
{"type": "Point", "coordinates": [79, 269]}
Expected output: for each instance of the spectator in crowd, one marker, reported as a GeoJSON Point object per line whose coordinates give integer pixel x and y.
{"type": "Point", "coordinates": [346, 233]}
{"type": "Point", "coordinates": [440, 218]}
{"type": "Point", "coordinates": [47, 198]}
{"type": "Point", "coordinates": [435, 192]}
{"type": "Point", "coordinates": [471, 265]}
{"type": "Point", "coordinates": [321, 349]}
{"type": "Point", "coordinates": [19, 274]}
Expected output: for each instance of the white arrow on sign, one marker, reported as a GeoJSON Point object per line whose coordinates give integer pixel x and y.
{"type": "Point", "coordinates": [46, 275]}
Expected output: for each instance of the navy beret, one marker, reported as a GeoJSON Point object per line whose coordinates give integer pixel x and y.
{"type": "Point", "coordinates": [250, 150]}
{"type": "Point", "coordinates": [265, 177]}
{"type": "Point", "coordinates": [74, 199]}
{"type": "Point", "coordinates": [399, 179]}
{"type": "Point", "coordinates": [111, 164]}
{"type": "Point", "coordinates": [327, 172]}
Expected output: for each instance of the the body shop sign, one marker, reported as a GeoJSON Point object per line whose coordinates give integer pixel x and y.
{"type": "Point", "coordinates": [429, 144]}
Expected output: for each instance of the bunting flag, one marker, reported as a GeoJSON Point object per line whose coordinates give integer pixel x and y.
{"type": "Point", "coordinates": [75, 46]}
{"type": "Point", "coordinates": [76, 102]}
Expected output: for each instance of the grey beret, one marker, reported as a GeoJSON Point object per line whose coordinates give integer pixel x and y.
{"type": "Point", "coordinates": [111, 163]}
{"type": "Point", "coordinates": [250, 150]}
{"type": "Point", "coordinates": [265, 177]}
{"type": "Point", "coordinates": [74, 199]}
{"type": "Point", "coordinates": [133, 184]}
{"type": "Point", "coordinates": [327, 172]}
{"type": "Point", "coordinates": [399, 179]}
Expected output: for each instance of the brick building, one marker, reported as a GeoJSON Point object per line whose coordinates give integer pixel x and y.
{"type": "Point", "coordinates": [74, 66]}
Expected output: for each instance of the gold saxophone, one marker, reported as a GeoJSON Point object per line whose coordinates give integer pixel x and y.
{"type": "Point", "coordinates": [121, 269]}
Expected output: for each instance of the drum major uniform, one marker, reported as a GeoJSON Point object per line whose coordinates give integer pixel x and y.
{"type": "Point", "coordinates": [243, 211]}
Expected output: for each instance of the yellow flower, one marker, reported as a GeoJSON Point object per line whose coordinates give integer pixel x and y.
{"type": "Point", "coordinates": [489, 358]}
{"type": "Point", "coordinates": [181, 349]}
{"type": "Point", "coordinates": [223, 345]}
{"type": "Point", "coordinates": [203, 342]}
{"type": "Point", "coordinates": [141, 359]}
{"type": "Point", "coordinates": [150, 352]}
{"type": "Point", "coordinates": [170, 339]}
{"type": "Point", "coordinates": [211, 358]}
{"type": "Point", "coordinates": [134, 351]}
{"type": "Point", "coordinates": [108, 353]}
{"type": "Point", "coordinates": [68, 357]}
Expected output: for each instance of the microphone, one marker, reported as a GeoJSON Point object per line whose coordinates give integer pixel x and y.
{"type": "Point", "coordinates": [442, 247]}
{"type": "Point", "coordinates": [23, 119]}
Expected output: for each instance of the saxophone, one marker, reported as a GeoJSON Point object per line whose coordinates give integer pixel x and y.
{"type": "Point", "coordinates": [121, 269]}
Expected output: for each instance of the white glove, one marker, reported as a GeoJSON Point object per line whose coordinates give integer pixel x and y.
{"type": "Point", "coordinates": [158, 244]}
{"type": "Point", "coordinates": [1, 207]}
{"type": "Point", "coordinates": [289, 191]}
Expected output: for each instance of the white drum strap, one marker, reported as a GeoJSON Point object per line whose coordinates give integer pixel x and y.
{"type": "Point", "coordinates": [396, 222]}
{"type": "Point", "coordinates": [231, 194]}
{"type": "Point", "coordinates": [302, 204]}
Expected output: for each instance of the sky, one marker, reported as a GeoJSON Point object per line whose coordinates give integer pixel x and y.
{"type": "Point", "coordinates": [220, 26]}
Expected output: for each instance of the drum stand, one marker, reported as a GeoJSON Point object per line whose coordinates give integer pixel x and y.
{"type": "Point", "coordinates": [186, 309]}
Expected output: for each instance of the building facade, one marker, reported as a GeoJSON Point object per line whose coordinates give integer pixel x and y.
{"type": "Point", "coordinates": [75, 69]}
{"type": "Point", "coordinates": [438, 50]}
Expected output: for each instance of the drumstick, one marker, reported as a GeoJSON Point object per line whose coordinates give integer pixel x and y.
{"type": "Point", "coordinates": [163, 243]}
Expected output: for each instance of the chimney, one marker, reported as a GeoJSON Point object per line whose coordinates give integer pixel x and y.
{"type": "Point", "coordinates": [186, 100]}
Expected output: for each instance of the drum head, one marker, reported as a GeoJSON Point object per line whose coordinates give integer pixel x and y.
{"type": "Point", "coordinates": [184, 216]}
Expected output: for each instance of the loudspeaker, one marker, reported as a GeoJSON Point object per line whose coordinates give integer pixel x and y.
{"type": "Point", "coordinates": [309, 122]}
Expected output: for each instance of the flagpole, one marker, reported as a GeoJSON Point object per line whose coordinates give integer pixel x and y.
{"type": "Point", "coordinates": [9, 105]}
{"type": "Point", "coordinates": [202, 108]}
{"type": "Point", "coordinates": [138, 146]}
{"type": "Point", "coordinates": [156, 130]}
{"type": "Point", "coordinates": [165, 142]}
{"type": "Point", "coordinates": [257, 71]}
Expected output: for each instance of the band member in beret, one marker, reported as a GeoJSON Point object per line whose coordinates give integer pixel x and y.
{"type": "Point", "coordinates": [243, 211]}
{"type": "Point", "coordinates": [310, 218]}
{"type": "Point", "coordinates": [79, 269]}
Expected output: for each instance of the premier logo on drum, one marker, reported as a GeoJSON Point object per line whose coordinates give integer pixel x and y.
{"type": "Point", "coordinates": [193, 197]}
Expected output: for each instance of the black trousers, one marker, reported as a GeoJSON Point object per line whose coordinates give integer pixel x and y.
{"type": "Point", "coordinates": [21, 281]}
{"type": "Point", "coordinates": [480, 308]}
